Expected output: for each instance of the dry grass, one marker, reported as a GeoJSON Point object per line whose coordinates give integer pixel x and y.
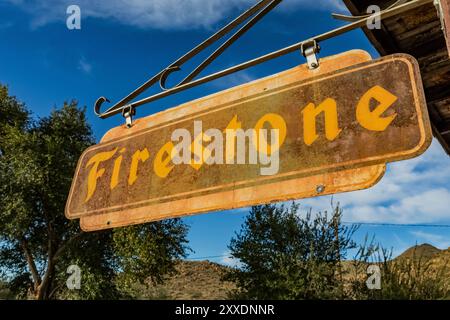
{"type": "Point", "coordinates": [195, 280]}
{"type": "Point", "coordinates": [201, 280]}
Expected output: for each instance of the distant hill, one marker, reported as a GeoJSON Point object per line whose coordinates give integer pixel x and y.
{"type": "Point", "coordinates": [201, 279]}
{"type": "Point", "coordinates": [425, 251]}
{"type": "Point", "coordinates": [195, 280]}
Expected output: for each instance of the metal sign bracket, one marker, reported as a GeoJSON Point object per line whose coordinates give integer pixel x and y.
{"type": "Point", "coordinates": [128, 113]}
{"type": "Point", "coordinates": [248, 19]}
{"type": "Point", "coordinates": [309, 51]}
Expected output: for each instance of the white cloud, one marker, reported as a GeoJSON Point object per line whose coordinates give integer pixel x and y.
{"type": "Point", "coordinates": [157, 14]}
{"type": "Point", "coordinates": [84, 66]}
{"type": "Point", "coordinates": [412, 191]}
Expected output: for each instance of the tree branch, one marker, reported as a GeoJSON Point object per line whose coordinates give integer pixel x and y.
{"type": "Point", "coordinates": [49, 271]}
{"type": "Point", "coordinates": [55, 289]}
{"type": "Point", "coordinates": [67, 244]}
{"type": "Point", "coordinates": [31, 264]}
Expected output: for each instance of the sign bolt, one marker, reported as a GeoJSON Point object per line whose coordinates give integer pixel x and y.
{"type": "Point", "coordinates": [320, 188]}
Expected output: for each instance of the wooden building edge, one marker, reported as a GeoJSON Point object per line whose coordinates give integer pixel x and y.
{"type": "Point", "coordinates": [424, 34]}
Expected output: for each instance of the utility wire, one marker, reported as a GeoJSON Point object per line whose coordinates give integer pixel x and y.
{"type": "Point", "coordinates": [352, 223]}
{"type": "Point", "coordinates": [209, 257]}
{"type": "Point", "coordinates": [398, 224]}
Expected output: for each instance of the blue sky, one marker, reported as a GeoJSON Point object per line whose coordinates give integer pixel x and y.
{"type": "Point", "coordinates": [122, 43]}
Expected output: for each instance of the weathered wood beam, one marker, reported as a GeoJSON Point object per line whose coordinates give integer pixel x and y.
{"type": "Point", "coordinates": [380, 38]}
{"type": "Point", "coordinates": [446, 15]}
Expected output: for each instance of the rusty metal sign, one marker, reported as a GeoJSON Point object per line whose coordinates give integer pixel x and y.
{"type": "Point", "coordinates": [297, 134]}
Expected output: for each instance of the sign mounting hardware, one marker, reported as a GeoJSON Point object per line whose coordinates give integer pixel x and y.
{"type": "Point", "coordinates": [288, 136]}
{"type": "Point", "coordinates": [249, 19]}
{"type": "Point", "coordinates": [128, 113]}
{"type": "Point", "coordinates": [309, 51]}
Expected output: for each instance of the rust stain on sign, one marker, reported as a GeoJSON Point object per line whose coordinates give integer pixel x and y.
{"type": "Point", "coordinates": [337, 126]}
{"type": "Point", "coordinates": [333, 182]}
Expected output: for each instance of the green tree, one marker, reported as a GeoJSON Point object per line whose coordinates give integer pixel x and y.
{"type": "Point", "coordinates": [37, 243]}
{"type": "Point", "coordinates": [12, 112]}
{"type": "Point", "coordinates": [286, 256]}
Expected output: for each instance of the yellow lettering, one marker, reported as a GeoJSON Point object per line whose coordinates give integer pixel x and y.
{"type": "Point", "coordinates": [310, 114]}
{"type": "Point", "coordinates": [95, 173]}
{"type": "Point", "coordinates": [162, 160]}
{"type": "Point", "coordinates": [116, 171]}
{"type": "Point", "coordinates": [234, 124]}
{"type": "Point", "coordinates": [137, 156]}
{"type": "Point", "coordinates": [372, 119]}
{"type": "Point", "coordinates": [276, 122]}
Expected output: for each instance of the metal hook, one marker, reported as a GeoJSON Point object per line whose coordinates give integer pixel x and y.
{"type": "Point", "coordinates": [271, 4]}
{"type": "Point", "coordinates": [165, 74]}
{"type": "Point", "coordinates": [98, 105]}
{"type": "Point", "coordinates": [253, 14]}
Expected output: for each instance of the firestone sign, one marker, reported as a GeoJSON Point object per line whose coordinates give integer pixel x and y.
{"type": "Point", "coordinates": [296, 134]}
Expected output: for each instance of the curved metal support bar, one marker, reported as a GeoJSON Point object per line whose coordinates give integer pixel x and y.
{"type": "Point", "coordinates": [344, 17]}
{"type": "Point", "coordinates": [260, 9]}
{"type": "Point", "coordinates": [165, 74]}
{"type": "Point", "coordinates": [98, 105]}
{"type": "Point", "coordinates": [219, 50]}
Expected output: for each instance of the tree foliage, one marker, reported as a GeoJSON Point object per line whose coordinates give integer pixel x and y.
{"type": "Point", "coordinates": [37, 243]}
{"type": "Point", "coordinates": [286, 256]}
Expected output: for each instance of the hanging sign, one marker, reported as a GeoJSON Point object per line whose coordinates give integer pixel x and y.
{"type": "Point", "coordinates": [297, 134]}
